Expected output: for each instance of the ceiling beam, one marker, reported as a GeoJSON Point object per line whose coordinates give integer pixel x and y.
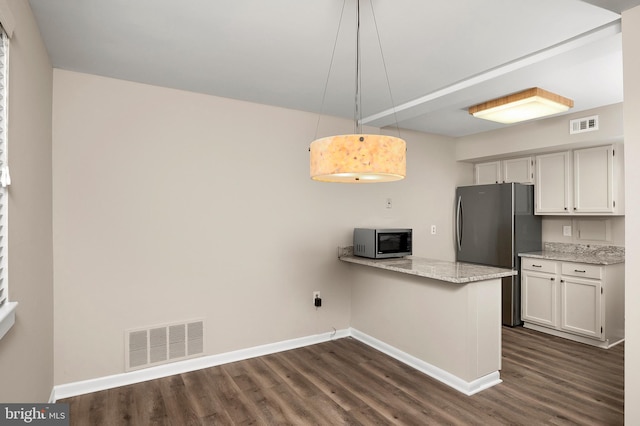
{"type": "Point", "coordinates": [404, 111]}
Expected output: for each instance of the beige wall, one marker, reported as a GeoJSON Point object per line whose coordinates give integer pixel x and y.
{"type": "Point", "coordinates": [613, 229]}
{"type": "Point", "coordinates": [551, 134]}
{"type": "Point", "coordinates": [171, 205]}
{"type": "Point", "coordinates": [631, 49]}
{"type": "Point", "coordinates": [26, 352]}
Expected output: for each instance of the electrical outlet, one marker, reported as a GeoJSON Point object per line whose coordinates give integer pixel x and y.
{"type": "Point", "coordinates": [389, 204]}
{"type": "Point", "coordinates": [566, 231]}
{"type": "Point", "coordinates": [316, 294]}
{"type": "Point", "coordinates": [345, 251]}
{"type": "Point", "coordinates": [433, 230]}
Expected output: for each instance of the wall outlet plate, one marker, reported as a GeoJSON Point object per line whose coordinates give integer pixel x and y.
{"type": "Point", "coordinates": [345, 251]}
{"type": "Point", "coordinates": [566, 230]}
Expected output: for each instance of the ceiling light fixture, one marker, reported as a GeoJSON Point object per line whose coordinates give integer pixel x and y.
{"type": "Point", "coordinates": [358, 158]}
{"type": "Point", "coordinates": [526, 105]}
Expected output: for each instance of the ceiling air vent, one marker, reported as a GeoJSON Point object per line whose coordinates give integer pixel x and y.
{"type": "Point", "coordinates": [581, 125]}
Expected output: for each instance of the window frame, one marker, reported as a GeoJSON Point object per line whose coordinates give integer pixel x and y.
{"type": "Point", "coordinates": [7, 307]}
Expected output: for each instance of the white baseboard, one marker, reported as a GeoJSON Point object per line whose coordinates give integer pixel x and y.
{"type": "Point", "coordinates": [102, 383]}
{"type": "Point", "coordinates": [606, 344]}
{"type": "Point", "coordinates": [467, 388]}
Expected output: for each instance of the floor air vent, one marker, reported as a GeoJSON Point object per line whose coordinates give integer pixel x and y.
{"type": "Point", "coordinates": [162, 344]}
{"type": "Point", "coordinates": [581, 125]}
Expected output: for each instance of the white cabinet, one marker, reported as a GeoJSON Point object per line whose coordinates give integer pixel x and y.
{"type": "Point", "coordinates": [504, 171]}
{"type": "Point", "coordinates": [552, 183]}
{"type": "Point", "coordinates": [486, 173]}
{"type": "Point", "coordinates": [593, 180]}
{"type": "Point", "coordinates": [539, 291]}
{"type": "Point", "coordinates": [581, 307]}
{"type": "Point", "coordinates": [578, 301]}
{"type": "Point", "coordinates": [539, 298]}
{"type": "Point", "coordinates": [586, 181]}
{"type": "Point", "coordinates": [518, 170]}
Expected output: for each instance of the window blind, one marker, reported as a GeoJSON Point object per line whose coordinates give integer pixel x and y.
{"type": "Point", "coordinates": [4, 170]}
{"type": "Point", "coordinates": [7, 308]}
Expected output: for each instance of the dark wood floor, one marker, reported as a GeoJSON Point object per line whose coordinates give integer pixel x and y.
{"type": "Point", "coordinates": [546, 381]}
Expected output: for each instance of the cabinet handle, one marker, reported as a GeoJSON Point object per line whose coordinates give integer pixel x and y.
{"type": "Point", "coordinates": [578, 270]}
{"type": "Point", "coordinates": [565, 208]}
{"type": "Point", "coordinates": [561, 281]}
{"type": "Point", "coordinates": [552, 279]}
{"type": "Point", "coordinates": [537, 266]}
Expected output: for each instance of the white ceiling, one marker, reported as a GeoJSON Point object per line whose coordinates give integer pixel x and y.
{"type": "Point", "coordinates": [441, 57]}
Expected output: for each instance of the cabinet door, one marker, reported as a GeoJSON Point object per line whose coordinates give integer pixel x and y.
{"type": "Point", "coordinates": [593, 180]}
{"type": "Point", "coordinates": [581, 307]}
{"type": "Point", "coordinates": [486, 173]}
{"type": "Point", "coordinates": [552, 183]}
{"type": "Point", "coordinates": [539, 298]}
{"type": "Point", "coordinates": [517, 170]}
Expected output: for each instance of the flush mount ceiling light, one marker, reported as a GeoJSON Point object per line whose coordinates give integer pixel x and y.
{"type": "Point", "coordinates": [526, 105]}
{"type": "Point", "coordinates": [358, 158]}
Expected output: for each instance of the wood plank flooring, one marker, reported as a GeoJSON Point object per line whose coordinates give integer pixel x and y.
{"type": "Point", "coordinates": [546, 381]}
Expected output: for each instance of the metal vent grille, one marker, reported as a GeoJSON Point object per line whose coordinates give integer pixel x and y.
{"type": "Point", "coordinates": [163, 344]}
{"type": "Point", "coordinates": [138, 348]}
{"type": "Point", "coordinates": [586, 124]}
{"type": "Point", "coordinates": [195, 336]}
{"type": "Point", "coordinates": [157, 345]}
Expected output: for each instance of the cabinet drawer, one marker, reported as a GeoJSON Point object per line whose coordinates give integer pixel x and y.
{"type": "Point", "coordinates": [584, 270]}
{"type": "Point", "coordinates": [540, 265]}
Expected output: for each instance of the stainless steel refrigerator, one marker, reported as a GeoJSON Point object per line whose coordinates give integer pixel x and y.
{"type": "Point", "coordinates": [493, 224]}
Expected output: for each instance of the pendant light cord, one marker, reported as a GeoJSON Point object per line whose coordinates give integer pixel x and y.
{"type": "Point", "coordinates": [357, 114]}
{"type": "Point", "coordinates": [386, 74]}
{"type": "Point", "coordinates": [326, 83]}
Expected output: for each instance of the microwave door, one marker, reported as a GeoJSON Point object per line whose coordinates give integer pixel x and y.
{"type": "Point", "coordinates": [388, 243]}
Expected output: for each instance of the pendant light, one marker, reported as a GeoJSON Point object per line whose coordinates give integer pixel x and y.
{"type": "Point", "coordinates": [358, 158]}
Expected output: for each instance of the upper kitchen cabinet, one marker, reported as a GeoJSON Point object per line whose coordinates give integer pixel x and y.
{"type": "Point", "coordinates": [594, 180]}
{"type": "Point", "coordinates": [586, 181]}
{"type": "Point", "coordinates": [552, 183]}
{"type": "Point", "coordinates": [518, 170]}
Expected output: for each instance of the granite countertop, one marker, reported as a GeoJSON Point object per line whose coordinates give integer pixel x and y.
{"type": "Point", "coordinates": [580, 253]}
{"type": "Point", "coordinates": [454, 272]}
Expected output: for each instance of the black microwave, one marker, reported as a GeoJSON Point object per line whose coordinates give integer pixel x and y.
{"type": "Point", "coordinates": [382, 243]}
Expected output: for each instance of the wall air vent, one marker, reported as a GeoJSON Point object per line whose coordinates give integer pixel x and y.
{"type": "Point", "coordinates": [581, 125]}
{"type": "Point", "coordinates": [161, 344]}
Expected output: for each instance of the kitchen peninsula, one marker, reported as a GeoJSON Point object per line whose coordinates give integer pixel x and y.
{"type": "Point", "coordinates": [442, 318]}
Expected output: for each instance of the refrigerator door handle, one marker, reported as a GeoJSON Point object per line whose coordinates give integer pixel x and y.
{"type": "Point", "coordinates": [459, 219]}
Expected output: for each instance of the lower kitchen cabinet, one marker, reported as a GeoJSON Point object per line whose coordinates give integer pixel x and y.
{"type": "Point", "coordinates": [578, 301]}
{"type": "Point", "coordinates": [539, 298]}
{"type": "Point", "coordinates": [581, 307]}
